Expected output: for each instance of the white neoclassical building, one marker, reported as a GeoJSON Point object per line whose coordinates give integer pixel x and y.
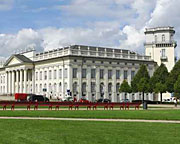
{"type": "Point", "coordinates": [77, 70]}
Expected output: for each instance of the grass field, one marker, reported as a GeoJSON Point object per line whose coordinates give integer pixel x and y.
{"type": "Point", "coordinates": [145, 114]}
{"type": "Point", "coordinates": [78, 132]}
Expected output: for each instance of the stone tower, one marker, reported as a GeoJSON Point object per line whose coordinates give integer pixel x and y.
{"type": "Point", "coordinates": [160, 45]}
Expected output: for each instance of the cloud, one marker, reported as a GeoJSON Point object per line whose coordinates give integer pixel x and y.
{"type": "Point", "coordinates": [109, 23]}
{"type": "Point", "coordinates": [17, 42]}
{"type": "Point", "coordinates": [6, 5]}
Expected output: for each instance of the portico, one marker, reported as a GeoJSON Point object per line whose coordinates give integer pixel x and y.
{"type": "Point", "coordinates": [19, 75]}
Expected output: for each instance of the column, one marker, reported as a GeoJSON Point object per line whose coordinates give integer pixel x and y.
{"type": "Point", "coordinates": [6, 82]}
{"type": "Point", "coordinates": [114, 94]}
{"type": "Point", "coordinates": [25, 81]}
{"type": "Point", "coordinates": [17, 81]}
{"type": "Point", "coordinates": [33, 81]}
{"type": "Point", "coordinates": [62, 76]}
{"type": "Point", "coordinates": [69, 78]}
{"type": "Point", "coordinates": [106, 83]}
{"type": "Point", "coordinates": [89, 83]}
{"type": "Point", "coordinates": [97, 83]}
{"type": "Point", "coordinates": [9, 82]}
{"type": "Point", "coordinates": [21, 81]}
{"type": "Point", "coordinates": [79, 76]}
{"type": "Point", "coordinates": [121, 81]}
{"type": "Point", "coordinates": [13, 82]}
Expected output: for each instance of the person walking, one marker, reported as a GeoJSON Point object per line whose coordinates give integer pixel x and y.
{"type": "Point", "coordinates": [175, 102]}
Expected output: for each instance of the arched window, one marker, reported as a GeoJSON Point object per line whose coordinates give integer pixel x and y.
{"type": "Point", "coordinates": [55, 87]}
{"type": "Point", "coordinates": [102, 88]}
{"type": "Point", "coordinates": [50, 89]}
{"type": "Point", "coordinates": [84, 87]}
{"type": "Point", "coordinates": [60, 87]}
{"type": "Point", "coordinates": [36, 88]}
{"type": "Point", "coordinates": [110, 87]}
{"type": "Point", "coordinates": [40, 88]}
{"type": "Point", "coordinates": [117, 87]}
{"type": "Point", "coordinates": [93, 87]}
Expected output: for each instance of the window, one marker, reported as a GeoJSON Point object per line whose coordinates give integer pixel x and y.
{"type": "Point", "coordinates": [60, 73]}
{"type": "Point", "coordinates": [102, 88]}
{"type": "Point", "coordinates": [36, 75]}
{"type": "Point", "coordinates": [83, 73]}
{"type": "Point", "coordinates": [155, 38]}
{"type": "Point", "coordinates": [60, 87]}
{"type": "Point", "coordinates": [74, 87]}
{"type": "Point", "coordinates": [93, 87]}
{"type": "Point", "coordinates": [65, 73]}
{"type": "Point", "coordinates": [101, 74]}
{"type": "Point", "coordinates": [55, 74]}
{"type": "Point", "coordinates": [163, 37]}
{"type": "Point", "coordinates": [132, 74]}
{"type": "Point", "coordinates": [125, 75]}
{"type": "Point", "coordinates": [55, 88]}
{"type": "Point", "coordinates": [50, 74]}
{"type": "Point", "coordinates": [117, 74]}
{"type": "Point", "coordinates": [84, 87]}
{"type": "Point", "coordinates": [110, 87]}
{"type": "Point", "coordinates": [40, 88]}
{"type": "Point", "coordinates": [93, 73]}
{"type": "Point", "coordinates": [117, 87]}
{"type": "Point", "coordinates": [74, 72]}
{"type": "Point", "coordinates": [163, 53]}
{"type": "Point", "coordinates": [45, 75]}
{"type": "Point", "coordinates": [40, 77]}
{"type": "Point", "coordinates": [109, 74]}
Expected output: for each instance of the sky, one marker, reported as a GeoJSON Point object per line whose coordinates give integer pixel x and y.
{"type": "Point", "coordinates": [51, 24]}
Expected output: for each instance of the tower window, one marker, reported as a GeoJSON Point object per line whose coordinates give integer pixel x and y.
{"type": "Point", "coordinates": [163, 37]}
{"type": "Point", "coordinates": [155, 38]}
{"type": "Point", "coordinates": [163, 53]}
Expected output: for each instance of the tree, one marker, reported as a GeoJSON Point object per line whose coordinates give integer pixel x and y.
{"type": "Point", "coordinates": [159, 79]}
{"type": "Point", "coordinates": [173, 76]}
{"type": "Point", "coordinates": [143, 86]}
{"type": "Point", "coordinates": [177, 88]}
{"type": "Point", "coordinates": [142, 73]}
{"type": "Point", "coordinates": [125, 87]}
{"type": "Point", "coordinates": [160, 88]}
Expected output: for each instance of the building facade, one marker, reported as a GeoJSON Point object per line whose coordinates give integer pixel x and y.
{"type": "Point", "coordinates": [81, 71]}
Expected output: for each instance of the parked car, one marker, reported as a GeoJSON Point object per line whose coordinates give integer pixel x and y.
{"type": "Point", "coordinates": [68, 99]}
{"type": "Point", "coordinates": [38, 98]}
{"type": "Point", "coordinates": [125, 100]}
{"type": "Point", "coordinates": [84, 100]}
{"type": "Point", "coordinates": [103, 101]}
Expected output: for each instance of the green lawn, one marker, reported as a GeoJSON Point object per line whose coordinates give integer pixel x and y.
{"type": "Point", "coordinates": [81, 132]}
{"type": "Point", "coordinates": [141, 114]}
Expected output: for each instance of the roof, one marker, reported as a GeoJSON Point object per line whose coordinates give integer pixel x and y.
{"type": "Point", "coordinates": [23, 58]}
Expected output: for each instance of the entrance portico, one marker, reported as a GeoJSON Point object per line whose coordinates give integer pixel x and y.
{"type": "Point", "coordinates": [19, 75]}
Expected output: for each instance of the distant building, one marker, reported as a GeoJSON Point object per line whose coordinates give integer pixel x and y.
{"type": "Point", "coordinates": [83, 71]}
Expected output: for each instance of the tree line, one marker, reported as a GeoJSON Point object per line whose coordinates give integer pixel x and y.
{"type": "Point", "coordinates": [161, 82]}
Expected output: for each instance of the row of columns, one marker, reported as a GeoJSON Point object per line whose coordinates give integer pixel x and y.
{"type": "Point", "coordinates": [18, 80]}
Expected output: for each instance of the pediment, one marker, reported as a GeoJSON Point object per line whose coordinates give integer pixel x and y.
{"type": "Point", "coordinates": [13, 61]}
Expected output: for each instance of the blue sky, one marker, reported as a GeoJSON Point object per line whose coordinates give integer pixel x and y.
{"type": "Point", "coordinates": [49, 24]}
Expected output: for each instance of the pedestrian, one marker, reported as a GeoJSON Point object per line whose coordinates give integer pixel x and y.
{"type": "Point", "coordinates": [175, 102]}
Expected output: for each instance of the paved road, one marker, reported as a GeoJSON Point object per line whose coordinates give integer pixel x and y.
{"type": "Point", "coordinates": [83, 119]}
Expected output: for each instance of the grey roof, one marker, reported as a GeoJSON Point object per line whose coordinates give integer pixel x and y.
{"type": "Point", "coordinates": [23, 58]}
